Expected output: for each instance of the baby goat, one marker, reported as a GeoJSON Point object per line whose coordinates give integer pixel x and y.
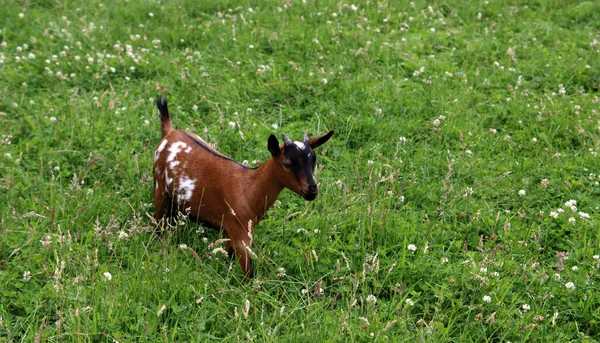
{"type": "Point", "coordinates": [192, 176]}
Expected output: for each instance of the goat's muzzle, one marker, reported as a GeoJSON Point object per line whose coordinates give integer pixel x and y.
{"type": "Point", "coordinates": [312, 193]}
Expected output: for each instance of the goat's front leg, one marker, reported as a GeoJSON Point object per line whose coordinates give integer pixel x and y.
{"type": "Point", "coordinates": [241, 244]}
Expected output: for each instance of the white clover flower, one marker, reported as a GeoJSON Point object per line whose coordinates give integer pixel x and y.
{"type": "Point", "coordinates": [150, 14]}
{"type": "Point", "coordinates": [554, 215]}
{"type": "Point", "coordinates": [26, 275]}
{"type": "Point", "coordinates": [232, 125]}
{"type": "Point", "coordinates": [572, 220]}
{"type": "Point", "coordinates": [402, 139]}
{"type": "Point", "coordinates": [410, 302]}
{"type": "Point", "coordinates": [596, 257]}
{"type": "Point", "coordinates": [444, 260]}
{"type": "Point", "coordinates": [557, 277]}
{"type": "Point", "coordinates": [281, 272]}
{"type": "Point", "coordinates": [183, 246]}
{"type": "Point", "coordinates": [522, 192]}
{"type": "Point", "coordinates": [487, 299]}
{"type": "Point", "coordinates": [584, 216]}
{"type": "Point", "coordinates": [371, 299]}
{"type": "Point", "coordinates": [570, 286]}
{"type": "Point", "coordinates": [525, 307]}
{"type": "Point", "coordinates": [107, 276]}
{"type": "Point", "coordinates": [412, 247]}
{"type": "Point", "coordinates": [123, 235]}
{"type": "Point", "coordinates": [545, 183]}
{"type": "Point", "coordinates": [574, 268]}
{"type": "Point", "coordinates": [21, 15]}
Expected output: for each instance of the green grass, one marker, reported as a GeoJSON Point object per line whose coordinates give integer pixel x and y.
{"type": "Point", "coordinates": [491, 98]}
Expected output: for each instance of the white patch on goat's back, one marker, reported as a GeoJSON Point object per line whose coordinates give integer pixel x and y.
{"type": "Point", "coordinates": [159, 149]}
{"type": "Point", "coordinates": [185, 188]}
{"type": "Point", "coordinates": [188, 149]}
{"type": "Point", "coordinates": [173, 164]}
{"type": "Point", "coordinates": [174, 149]}
{"type": "Point", "coordinates": [300, 145]}
{"type": "Point", "coordinates": [156, 185]}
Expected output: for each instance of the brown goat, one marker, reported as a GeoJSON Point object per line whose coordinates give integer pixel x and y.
{"type": "Point", "coordinates": [193, 177]}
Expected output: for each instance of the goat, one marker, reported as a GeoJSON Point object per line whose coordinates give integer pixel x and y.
{"type": "Point", "coordinates": [191, 175]}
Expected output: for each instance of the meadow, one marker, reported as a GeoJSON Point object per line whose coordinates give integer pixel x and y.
{"type": "Point", "coordinates": [459, 197]}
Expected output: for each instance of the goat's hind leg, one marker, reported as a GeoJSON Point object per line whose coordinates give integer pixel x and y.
{"type": "Point", "coordinates": [162, 209]}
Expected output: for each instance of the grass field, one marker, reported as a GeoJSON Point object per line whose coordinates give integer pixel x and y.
{"type": "Point", "coordinates": [459, 197]}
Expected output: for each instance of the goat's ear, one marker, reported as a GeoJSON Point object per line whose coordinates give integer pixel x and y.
{"type": "Point", "coordinates": [316, 142]}
{"type": "Point", "coordinates": [274, 146]}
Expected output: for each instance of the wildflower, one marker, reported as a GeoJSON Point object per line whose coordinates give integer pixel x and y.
{"type": "Point", "coordinates": [410, 302]}
{"type": "Point", "coordinates": [574, 268]}
{"type": "Point", "coordinates": [570, 286]}
{"type": "Point", "coordinates": [545, 183]}
{"type": "Point", "coordinates": [402, 139]}
{"type": "Point", "coordinates": [378, 111]}
{"type": "Point", "coordinates": [21, 15]}
{"type": "Point", "coordinates": [572, 220]}
{"type": "Point", "coordinates": [487, 299]}
{"type": "Point", "coordinates": [26, 275]}
{"type": "Point", "coordinates": [183, 246]}
{"type": "Point", "coordinates": [123, 235]}
{"type": "Point", "coordinates": [107, 276]}
{"type": "Point", "coordinates": [412, 247]}
{"type": "Point", "coordinates": [324, 81]}
{"type": "Point", "coordinates": [219, 250]}
{"type": "Point", "coordinates": [584, 216]}
{"type": "Point", "coordinates": [232, 125]}
{"type": "Point", "coordinates": [281, 272]}
{"type": "Point", "coordinates": [554, 215]}
{"type": "Point", "coordinates": [525, 307]}
{"type": "Point", "coordinates": [53, 119]}
{"type": "Point", "coordinates": [150, 14]}
{"type": "Point", "coordinates": [556, 277]}
{"type": "Point", "coordinates": [436, 122]}
{"type": "Point", "coordinates": [444, 260]}
{"type": "Point", "coordinates": [572, 204]}
{"type": "Point", "coordinates": [371, 299]}
{"type": "Point", "coordinates": [522, 192]}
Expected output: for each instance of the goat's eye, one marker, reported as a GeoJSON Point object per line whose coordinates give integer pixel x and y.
{"type": "Point", "coordinates": [287, 164]}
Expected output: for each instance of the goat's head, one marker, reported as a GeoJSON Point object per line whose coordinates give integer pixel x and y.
{"type": "Point", "coordinates": [296, 163]}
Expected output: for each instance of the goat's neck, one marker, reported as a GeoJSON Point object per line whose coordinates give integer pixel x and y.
{"type": "Point", "coordinates": [263, 188]}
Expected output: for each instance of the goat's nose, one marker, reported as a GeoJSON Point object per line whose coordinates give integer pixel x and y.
{"type": "Point", "coordinates": [313, 188]}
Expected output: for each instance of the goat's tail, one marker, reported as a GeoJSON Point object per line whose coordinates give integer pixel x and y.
{"type": "Point", "coordinates": [165, 120]}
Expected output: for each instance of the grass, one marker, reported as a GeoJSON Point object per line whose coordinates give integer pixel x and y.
{"type": "Point", "coordinates": [461, 130]}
